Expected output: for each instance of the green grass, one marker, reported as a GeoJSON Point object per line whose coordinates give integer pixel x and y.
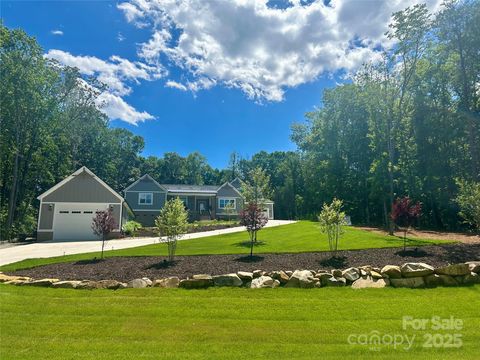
{"type": "Point", "coordinates": [221, 323]}
{"type": "Point", "coordinates": [303, 236]}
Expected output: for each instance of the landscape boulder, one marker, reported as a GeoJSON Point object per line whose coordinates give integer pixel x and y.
{"type": "Point", "coordinates": [227, 280]}
{"type": "Point", "coordinates": [245, 275]}
{"type": "Point", "coordinates": [351, 274]}
{"type": "Point", "coordinates": [448, 280]}
{"type": "Point", "coordinates": [5, 278]}
{"type": "Point", "coordinates": [454, 270]}
{"type": "Point", "coordinates": [375, 274]}
{"type": "Point", "coordinates": [336, 272]}
{"type": "Point", "coordinates": [280, 276]}
{"type": "Point", "coordinates": [67, 284]}
{"type": "Point", "coordinates": [301, 279]}
{"type": "Point", "coordinates": [137, 284]}
{"type": "Point", "coordinates": [258, 273]}
{"type": "Point", "coordinates": [42, 282]}
{"type": "Point", "coordinates": [391, 271]}
{"type": "Point", "coordinates": [335, 281]}
{"type": "Point", "coordinates": [108, 284]}
{"type": "Point", "coordinates": [470, 279]}
{"type": "Point", "coordinates": [148, 281]}
{"type": "Point", "coordinates": [432, 280]}
{"type": "Point", "coordinates": [200, 281]}
{"type": "Point", "coordinates": [170, 282]}
{"type": "Point", "coordinates": [474, 266]}
{"type": "Point", "coordinates": [416, 269]}
{"type": "Point", "coordinates": [411, 282]}
{"type": "Point", "coordinates": [264, 282]}
{"type": "Point", "coordinates": [87, 285]}
{"type": "Point", "coordinates": [366, 282]}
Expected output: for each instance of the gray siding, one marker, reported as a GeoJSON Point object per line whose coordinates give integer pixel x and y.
{"type": "Point", "coordinates": [46, 216]}
{"type": "Point", "coordinates": [145, 184]}
{"type": "Point", "coordinates": [44, 235]}
{"type": "Point", "coordinates": [83, 188]}
{"type": "Point", "coordinates": [227, 191]}
{"type": "Point", "coordinates": [132, 200]}
{"type": "Point", "coordinates": [116, 215]}
{"type": "Point", "coordinates": [146, 218]}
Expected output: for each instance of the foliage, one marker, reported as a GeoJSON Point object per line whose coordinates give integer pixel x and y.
{"type": "Point", "coordinates": [172, 223]}
{"type": "Point", "coordinates": [404, 214]}
{"type": "Point", "coordinates": [468, 199]}
{"type": "Point", "coordinates": [254, 219]}
{"type": "Point", "coordinates": [131, 227]}
{"type": "Point", "coordinates": [332, 221]}
{"type": "Point", "coordinates": [102, 224]}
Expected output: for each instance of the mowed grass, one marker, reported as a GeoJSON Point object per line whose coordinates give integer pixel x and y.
{"type": "Point", "coordinates": [303, 236]}
{"type": "Point", "coordinates": [226, 323]}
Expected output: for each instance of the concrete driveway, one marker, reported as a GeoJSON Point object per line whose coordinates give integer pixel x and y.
{"type": "Point", "coordinates": [16, 253]}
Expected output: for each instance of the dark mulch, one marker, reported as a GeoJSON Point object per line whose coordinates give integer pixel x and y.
{"type": "Point", "coordinates": [127, 268]}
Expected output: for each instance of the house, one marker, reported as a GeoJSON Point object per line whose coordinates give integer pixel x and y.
{"type": "Point", "coordinates": [204, 202]}
{"type": "Point", "coordinates": [67, 209]}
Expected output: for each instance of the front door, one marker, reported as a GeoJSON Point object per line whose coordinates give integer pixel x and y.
{"type": "Point", "coordinates": [202, 205]}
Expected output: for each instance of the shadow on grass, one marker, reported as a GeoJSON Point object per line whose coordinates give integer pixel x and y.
{"type": "Point", "coordinates": [336, 262]}
{"type": "Point", "coordinates": [247, 244]}
{"type": "Point", "coordinates": [250, 259]}
{"type": "Point", "coordinates": [164, 264]}
{"type": "Point", "coordinates": [89, 261]}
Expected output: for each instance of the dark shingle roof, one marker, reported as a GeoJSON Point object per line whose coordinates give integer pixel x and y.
{"type": "Point", "coordinates": [191, 188]}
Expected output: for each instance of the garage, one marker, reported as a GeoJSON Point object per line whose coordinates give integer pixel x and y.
{"type": "Point", "coordinates": [67, 209]}
{"type": "Point", "coordinates": [73, 221]}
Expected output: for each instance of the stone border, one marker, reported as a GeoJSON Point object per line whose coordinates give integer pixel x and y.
{"type": "Point", "coordinates": [409, 275]}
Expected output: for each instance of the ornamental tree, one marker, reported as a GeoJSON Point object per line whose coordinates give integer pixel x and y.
{"type": "Point", "coordinates": [404, 215]}
{"type": "Point", "coordinates": [254, 219]}
{"type": "Point", "coordinates": [172, 223]}
{"type": "Point", "coordinates": [332, 221]}
{"type": "Point", "coordinates": [102, 224]}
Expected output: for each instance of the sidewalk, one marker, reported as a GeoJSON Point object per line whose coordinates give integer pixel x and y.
{"type": "Point", "coordinates": [51, 249]}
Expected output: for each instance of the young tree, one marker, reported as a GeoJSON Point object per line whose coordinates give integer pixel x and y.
{"type": "Point", "coordinates": [468, 199]}
{"type": "Point", "coordinates": [404, 214]}
{"type": "Point", "coordinates": [229, 210]}
{"type": "Point", "coordinates": [102, 224]}
{"type": "Point", "coordinates": [257, 189]}
{"type": "Point", "coordinates": [254, 219]}
{"type": "Point", "coordinates": [172, 223]}
{"type": "Point", "coordinates": [332, 220]}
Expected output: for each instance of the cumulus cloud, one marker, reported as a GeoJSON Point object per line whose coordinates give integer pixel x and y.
{"type": "Point", "coordinates": [118, 74]}
{"type": "Point", "coordinates": [57, 32]}
{"type": "Point", "coordinates": [259, 48]}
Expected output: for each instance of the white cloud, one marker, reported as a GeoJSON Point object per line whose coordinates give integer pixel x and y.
{"type": "Point", "coordinates": [120, 37]}
{"type": "Point", "coordinates": [57, 32]}
{"type": "Point", "coordinates": [260, 49]}
{"type": "Point", "coordinates": [118, 74]}
{"type": "Point", "coordinates": [175, 85]}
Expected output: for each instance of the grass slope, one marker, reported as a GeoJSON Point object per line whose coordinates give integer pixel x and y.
{"type": "Point", "coordinates": [303, 236]}
{"type": "Point", "coordinates": [44, 323]}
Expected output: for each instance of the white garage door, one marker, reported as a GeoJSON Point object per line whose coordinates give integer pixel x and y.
{"type": "Point", "coordinates": [73, 221]}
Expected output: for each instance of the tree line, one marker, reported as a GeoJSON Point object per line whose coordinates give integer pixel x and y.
{"type": "Point", "coordinates": [406, 125]}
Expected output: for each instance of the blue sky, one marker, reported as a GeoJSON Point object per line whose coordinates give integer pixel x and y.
{"type": "Point", "coordinates": [209, 76]}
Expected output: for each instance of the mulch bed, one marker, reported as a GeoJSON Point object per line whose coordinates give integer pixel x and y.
{"type": "Point", "coordinates": [154, 267]}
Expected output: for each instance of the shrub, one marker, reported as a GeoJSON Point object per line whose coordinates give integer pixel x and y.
{"type": "Point", "coordinates": [332, 221]}
{"type": "Point", "coordinates": [172, 223]}
{"type": "Point", "coordinates": [468, 199]}
{"type": "Point", "coordinates": [131, 227]}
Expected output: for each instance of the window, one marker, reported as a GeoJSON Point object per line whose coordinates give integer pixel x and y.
{"type": "Point", "coordinates": [226, 203]}
{"type": "Point", "coordinates": [145, 198]}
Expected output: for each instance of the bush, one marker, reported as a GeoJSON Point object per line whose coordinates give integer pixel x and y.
{"type": "Point", "coordinates": [332, 220]}
{"type": "Point", "coordinates": [131, 227]}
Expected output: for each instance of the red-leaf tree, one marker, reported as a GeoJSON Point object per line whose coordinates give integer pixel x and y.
{"type": "Point", "coordinates": [102, 224]}
{"type": "Point", "coordinates": [404, 214]}
{"type": "Point", "coordinates": [253, 218]}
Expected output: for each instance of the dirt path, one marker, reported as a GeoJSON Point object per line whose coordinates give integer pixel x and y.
{"type": "Point", "coordinates": [426, 234]}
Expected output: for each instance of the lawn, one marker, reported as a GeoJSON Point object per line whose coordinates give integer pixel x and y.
{"type": "Point", "coordinates": [303, 236]}
{"type": "Point", "coordinates": [220, 323]}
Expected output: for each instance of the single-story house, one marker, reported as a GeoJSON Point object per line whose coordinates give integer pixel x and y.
{"type": "Point", "coordinates": [67, 209]}
{"type": "Point", "coordinates": [204, 202]}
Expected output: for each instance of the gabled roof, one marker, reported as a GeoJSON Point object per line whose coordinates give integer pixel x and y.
{"type": "Point", "coordinates": [146, 176]}
{"type": "Point", "coordinates": [181, 188]}
{"type": "Point", "coordinates": [236, 183]}
{"type": "Point", "coordinates": [78, 172]}
{"type": "Point", "coordinates": [233, 187]}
